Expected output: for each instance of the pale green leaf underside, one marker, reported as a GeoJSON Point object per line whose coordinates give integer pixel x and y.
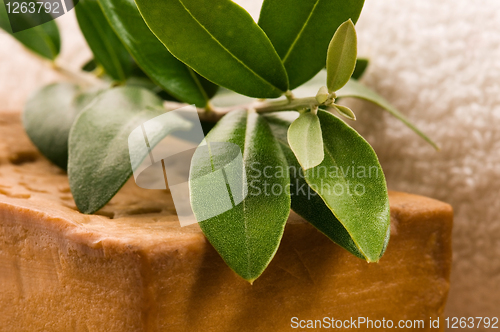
{"type": "Point", "coordinates": [247, 235]}
{"type": "Point", "coordinates": [220, 41]}
{"type": "Point", "coordinates": [306, 141]}
{"type": "Point", "coordinates": [345, 111]}
{"type": "Point", "coordinates": [49, 115]}
{"type": "Point", "coordinates": [341, 58]}
{"type": "Point", "coordinates": [99, 160]}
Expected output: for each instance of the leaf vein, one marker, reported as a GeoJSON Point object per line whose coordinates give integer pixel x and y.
{"type": "Point", "coordinates": [227, 50]}
{"type": "Point", "coordinates": [245, 222]}
{"type": "Point", "coordinates": [299, 35]}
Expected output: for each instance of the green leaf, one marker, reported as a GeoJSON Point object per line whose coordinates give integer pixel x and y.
{"type": "Point", "coordinates": [306, 141]}
{"type": "Point", "coordinates": [341, 58]}
{"type": "Point", "coordinates": [344, 111]}
{"type": "Point", "coordinates": [102, 40]}
{"type": "Point", "coordinates": [220, 41]}
{"type": "Point", "coordinates": [305, 201]}
{"type": "Point", "coordinates": [301, 30]}
{"type": "Point", "coordinates": [99, 160]}
{"type": "Point", "coordinates": [42, 39]}
{"type": "Point", "coordinates": [361, 66]}
{"type": "Point", "coordinates": [322, 95]}
{"type": "Point", "coordinates": [357, 90]}
{"type": "Point", "coordinates": [49, 115]}
{"type": "Point", "coordinates": [90, 65]}
{"type": "Point", "coordinates": [248, 234]}
{"type": "Point", "coordinates": [351, 182]}
{"type": "Point", "coordinates": [159, 64]}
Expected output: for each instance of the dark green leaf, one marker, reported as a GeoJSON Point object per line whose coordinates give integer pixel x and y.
{"type": "Point", "coordinates": [247, 235]}
{"type": "Point", "coordinates": [361, 66]}
{"type": "Point", "coordinates": [306, 141]}
{"type": "Point", "coordinates": [104, 43]}
{"type": "Point", "coordinates": [301, 30]}
{"type": "Point", "coordinates": [90, 65]}
{"type": "Point", "coordinates": [42, 39]}
{"type": "Point", "coordinates": [220, 41]}
{"type": "Point", "coordinates": [99, 160]}
{"type": "Point", "coordinates": [341, 58]}
{"type": "Point", "coordinates": [355, 89]}
{"type": "Point", "coordinates": [162, 67]}
{"type": "Point", "coordinates": [48, 116]}
{"type": "Point", "coordinates": [351, 183]}
{"type": "Point", "coordinates": [305, 201]}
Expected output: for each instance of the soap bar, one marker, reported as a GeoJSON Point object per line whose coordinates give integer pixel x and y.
{"type": "Point", "coordinates": [131, 267]}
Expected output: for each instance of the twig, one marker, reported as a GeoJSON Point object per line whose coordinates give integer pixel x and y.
{"type": "Point", "coordinates": [81, 78]}
{"type": "Point", "coordinates": [213, 114]}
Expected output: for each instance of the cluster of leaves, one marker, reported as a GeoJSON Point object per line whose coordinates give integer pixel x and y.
{"type": "Point", "coordinates": [146, 59]}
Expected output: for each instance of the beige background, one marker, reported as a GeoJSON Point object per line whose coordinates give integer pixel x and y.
{"type": "Point", "coordinates": [439, 63]}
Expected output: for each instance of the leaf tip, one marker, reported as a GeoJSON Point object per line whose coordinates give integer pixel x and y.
{"type": "Point", "coordinates": [341, 56]}
{"type": "Point", "coordinates": [313, 164]}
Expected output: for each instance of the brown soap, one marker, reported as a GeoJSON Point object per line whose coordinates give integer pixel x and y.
{"type": "Point", "coordinates": [132, 267]}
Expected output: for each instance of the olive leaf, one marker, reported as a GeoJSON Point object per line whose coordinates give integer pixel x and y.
{"type": "Point", "coordinates": [49, 115]}
{"type": "Point", "coordinates": [357, 90]}
{"type": "Point", "coordinates": [240, 207]}
{"type": "Point", "coordinates": [351, 183]}
{"type": "Point", "coordinates": [341, 58]}
{"type": "Point", "coordinates": [220, 41]}
{"type": "Point", "coordinates": [344, 111]}
{"type": "Point", "coordinates": [90, 65]}
{"type": "Point", "coordinates": [361, 66]}
{"type": "Point", "coordinates": [99, 160]}
{"type": "Point", "coordinates": [322, 95]}
{"type": "Point", "coordinates": [305, 201]}
{"type": "Point", "coordinates": [43, 39]}
{"type": "Point", "coordinates": [102, 40]}
{"type": "Point", "coordinates": [306, 141]}
{"type": "Point", "coordinates": [301, 30]}
{"type": "Point", "coordinates": [158, 63]}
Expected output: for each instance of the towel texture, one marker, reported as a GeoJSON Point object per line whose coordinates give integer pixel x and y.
{"type": "Point", "coordinates": [439, 63]}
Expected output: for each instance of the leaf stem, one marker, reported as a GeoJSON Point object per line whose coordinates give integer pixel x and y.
{"type": "Point", "coordinates": [81, 78]}
{"type": "Point", "coordinates": [216, 113]}
{"type": "Point", "coordinates": [285, 105]}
